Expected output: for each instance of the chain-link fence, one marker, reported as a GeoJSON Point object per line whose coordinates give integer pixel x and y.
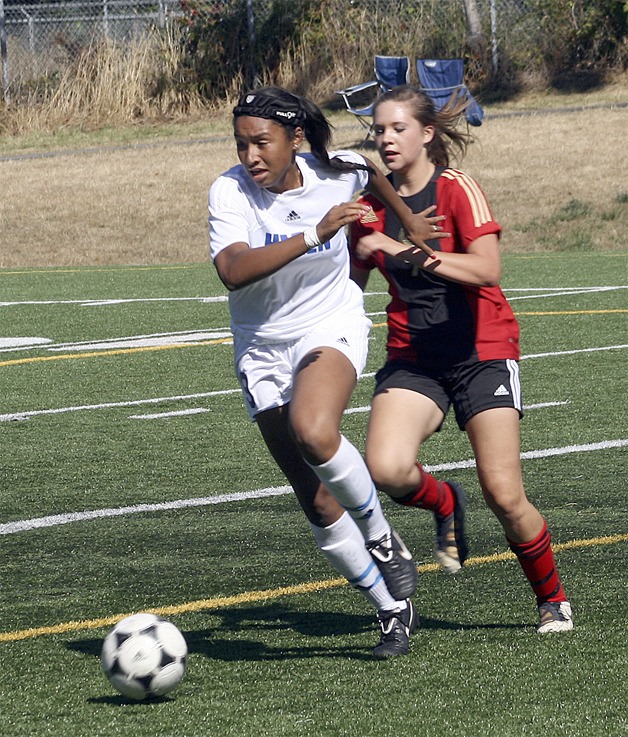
{"type": "Point", "coordinates": [39, 40]}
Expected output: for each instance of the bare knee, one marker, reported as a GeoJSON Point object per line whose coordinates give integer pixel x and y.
{"type": "Point", "coordinates": [392, 475]}
{"type": "Point", "coordinates": [507, 500]}
{"type": "Point", "coordinates": [316, 438]}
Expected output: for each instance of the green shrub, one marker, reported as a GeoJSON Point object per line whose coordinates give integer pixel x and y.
{"type": "Point", "coordinates": [311, 45]}
{"type": "Point", "coordinates": [226, 51]}
{"type": "Point", "coordinates": [570, 36]}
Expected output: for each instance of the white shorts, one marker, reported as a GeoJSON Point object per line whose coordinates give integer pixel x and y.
{"type": "Point", "coordinates": [266, 372]}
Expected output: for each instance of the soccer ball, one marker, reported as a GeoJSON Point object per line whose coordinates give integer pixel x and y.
{"type": "Point", "coordinates": [144, 656]}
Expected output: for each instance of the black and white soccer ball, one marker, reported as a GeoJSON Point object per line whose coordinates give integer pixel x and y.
{"type": "Point", "coordinates": [144, 656]}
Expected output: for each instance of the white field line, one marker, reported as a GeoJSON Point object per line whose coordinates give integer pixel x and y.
{"type": "Point", "coordinates": [176, 336]}
{"type": "Point", "coordinates": [108, 302]}
{"type": "Point", "coordinates": [159, 339]}
{"type": "Point", "coordinates": [130, 341]}
{"type": "Point", "coordinates": [542, 291]}
{"type": "Point", "coordinates": [13, 344]}
{"type": "Point", "coordinates": [178, 413]}
{"type": "Point", "coordinates": [24, 415]}
{"type": "Point", "coordinates": [9, 528]}
{"type": "Point", "coordinates": [350, 411]}
{"type": "Point", "coordinates": [112, 405]}
{"type": "Point", "coordinates": [578, 350]}
{"type": "Point", "coordinates": [62, 519]}
{"type": "Point", "coordinates": [146, 341]}
{"type": "Point", "coordinates": [560, 292]}
{"type": "Point", "coordinates": [540, 405]}
{"type": "Point", "coordinates": [551, 290]}
{"type": "Point", "coordinates": [545, 292]}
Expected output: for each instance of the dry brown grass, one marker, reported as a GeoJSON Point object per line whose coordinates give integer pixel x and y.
{"type": "Point", "coordinates": [110, 84]}
{"type": "Point", "coordinates": [532, 167]}
{"type": "Point", "coordinates": [128, 206]}
{"type": "Point", "coordinates": [148, 205]}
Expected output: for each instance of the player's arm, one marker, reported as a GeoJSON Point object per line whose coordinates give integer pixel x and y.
{"type": "Point", "coordinates": [419, 227]}
{"type": "Point", "coordinates": [479, 266]}
{"type": "Point", "coordinates": [239, 265]}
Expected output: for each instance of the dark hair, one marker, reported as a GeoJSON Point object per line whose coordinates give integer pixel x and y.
{"type": "Point", "coordinates": [447, 140]}
{"type": "Point", "coordinates": [292, 111]}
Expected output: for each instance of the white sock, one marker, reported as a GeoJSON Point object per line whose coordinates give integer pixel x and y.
{"type": "Point", "coordinates": [346, 476]}
{"type": "Point", "coordinates": [343, 546]}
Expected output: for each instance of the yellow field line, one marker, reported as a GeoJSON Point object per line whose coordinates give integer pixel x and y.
{"type": "Point", "coordinates": [217, 341]}
{"type": "Point", "coordinates": [573, 312]}
{"type": "Point", "coordinates": [249, 597]}
{"type": "Point", "coordinates": [114, 352]}
{"type": "Point", "coordinates": [559, 254]}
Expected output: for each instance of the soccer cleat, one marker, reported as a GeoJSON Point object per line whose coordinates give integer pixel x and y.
{"type": "Point", "coordinates": [395, 564]}
{"type": "Point", "coordinates": [554, 616]}
{"type": "Point", "coordinates": [451, 542]}
{"type": "Point", "coordinates": [396, 627]}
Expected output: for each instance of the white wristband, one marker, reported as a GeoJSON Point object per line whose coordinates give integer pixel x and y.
{"type": "Point", "coordinates": [310, 236]}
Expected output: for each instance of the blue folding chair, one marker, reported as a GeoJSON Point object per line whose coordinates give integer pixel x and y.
{"type": "Point", "coordinates": [390, 71]}
{"type": "Point", "coordinates": [440, 78]}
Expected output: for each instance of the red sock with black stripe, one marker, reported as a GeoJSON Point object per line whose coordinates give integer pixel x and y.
{"type": "Point", "coordinates": [538, 564]}
{"type": "Point", "coordinates": [437, 496]}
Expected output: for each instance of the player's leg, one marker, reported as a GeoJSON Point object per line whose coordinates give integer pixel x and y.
{"type": "Point", "coordinates": [266, 376]}
{"type": "Point", "coordinates": [343, 545]}
{"type": "Point", "coordinates": [400, 421]}
{"type": "Point", "coordinates": [402, 418]}
{"type": "Point", "coordinates": [494, 436]}
{"type": "Point", "coordinates": [324, 380]}
{"type": "Point", "coordinates": [336, 533]}
{"type": "Point", "coordinates": [319, 506]}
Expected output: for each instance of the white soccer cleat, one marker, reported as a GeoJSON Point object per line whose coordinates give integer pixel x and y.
{"type": "Point", "coordinates": [554, 616]}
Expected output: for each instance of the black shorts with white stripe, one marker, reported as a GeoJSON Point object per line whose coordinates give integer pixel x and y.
{"type": "Point", "coordinates": [470, 388]}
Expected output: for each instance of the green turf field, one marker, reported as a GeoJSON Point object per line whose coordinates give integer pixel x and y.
{"type": "Point", "coordinates": [123, 396]}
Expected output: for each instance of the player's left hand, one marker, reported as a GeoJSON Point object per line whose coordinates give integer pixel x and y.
{"type": "Point", "coordinates": [425, 227]}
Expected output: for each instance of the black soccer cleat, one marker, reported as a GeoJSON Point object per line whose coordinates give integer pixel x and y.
{"type": "Point", "coordinates": [395, 564]}
{"type": "Point", "coordinates": [396, 628]}
{"type": "Point", "coordinates": [451, 547]}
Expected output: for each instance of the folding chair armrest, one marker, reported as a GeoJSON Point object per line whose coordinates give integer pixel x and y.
{"type": "Point", "coordinates": [451, 89]}
{"type": "Point", "coordinates": [357, 88]}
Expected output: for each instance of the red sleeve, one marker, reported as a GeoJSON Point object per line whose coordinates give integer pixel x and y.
{"type": "Point", "coordinates": [461, 198]}
{"type": "Point", "coordinates": [373, 221]}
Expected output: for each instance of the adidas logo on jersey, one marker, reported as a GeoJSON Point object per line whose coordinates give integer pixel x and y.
{"type": "Point", "coordinates": [344, 341]}
{"type": "Point", "coordinates": [501, 391]}
{"type": "Point", "coordinates": [292, 215]}
{"type": "Point", "coordinates": [369, 217]}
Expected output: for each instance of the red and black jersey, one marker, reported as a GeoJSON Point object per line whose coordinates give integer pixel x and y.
{"type": "Point", "coordinates": [432, 321]}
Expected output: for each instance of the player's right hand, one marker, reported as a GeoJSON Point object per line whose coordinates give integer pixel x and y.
{"type": "Point", "coordinates": [339, 216]}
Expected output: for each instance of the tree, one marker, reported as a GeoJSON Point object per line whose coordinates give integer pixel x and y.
{"type": "Point", "coordinates": [475, 36]}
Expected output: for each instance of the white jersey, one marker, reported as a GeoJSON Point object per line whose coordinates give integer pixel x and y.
{"type": "Point", "coordinates": [289, 303]}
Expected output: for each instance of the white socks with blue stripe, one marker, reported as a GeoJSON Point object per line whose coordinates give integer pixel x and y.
{"type": "Point", "coordinates": [343, 546]}
{"type": "Point", "coordinates": [346, 476]}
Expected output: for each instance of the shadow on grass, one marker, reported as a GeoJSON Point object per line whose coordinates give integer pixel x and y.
{"type": "Point", "coordinates": [126, 702]}
{"type": "Point", "coordinates": [214, 643]}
